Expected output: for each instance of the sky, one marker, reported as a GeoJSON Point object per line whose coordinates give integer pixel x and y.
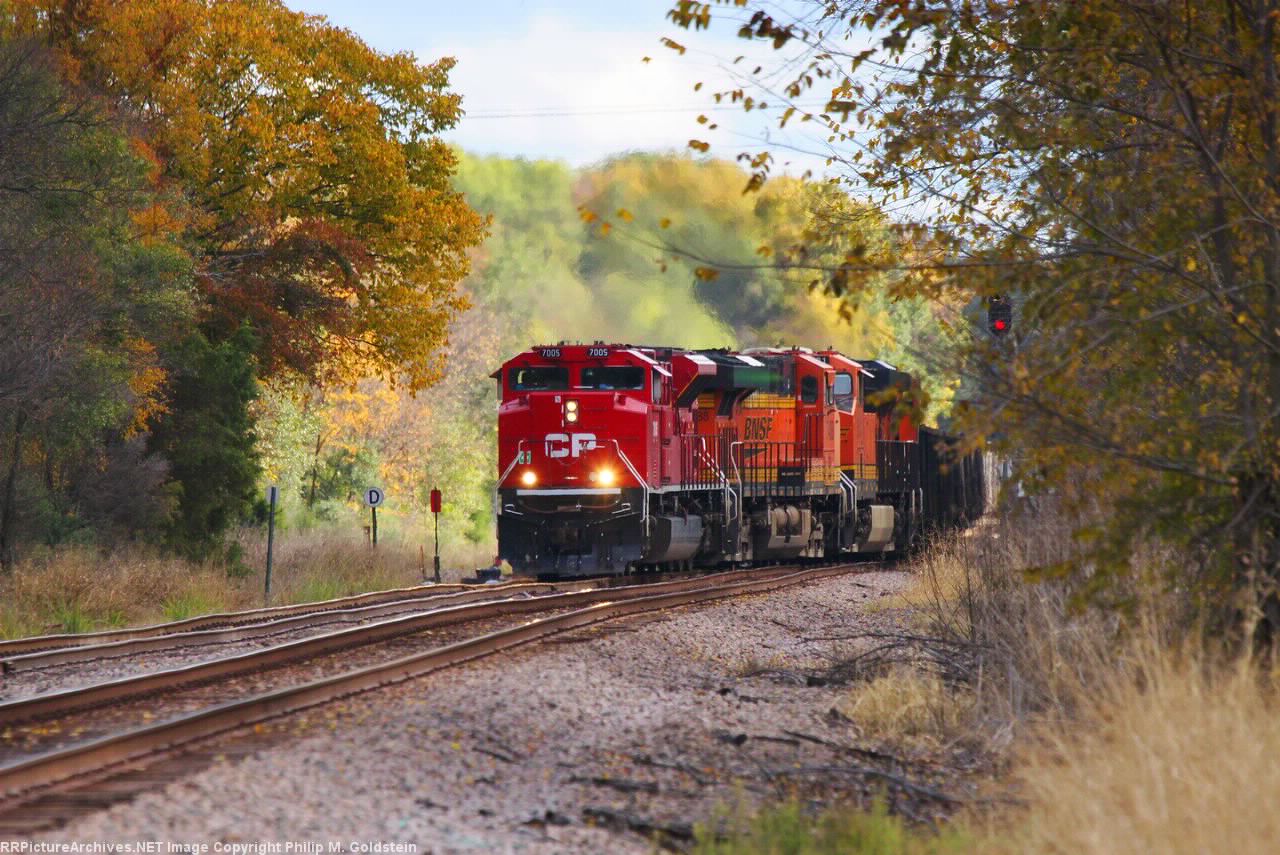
{"type": "Point", "coordinates": [566, 79]}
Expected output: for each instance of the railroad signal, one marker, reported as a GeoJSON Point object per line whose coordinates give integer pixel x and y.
{"type": "Point", "coordinates": [436, 503]}
{"type": "Point", "coordinates": [999, 315]}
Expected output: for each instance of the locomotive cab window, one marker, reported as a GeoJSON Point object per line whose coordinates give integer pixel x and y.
{"type": "Point", "coordinates": [809, 390]}
{"type": "Point", "coordinates": [657, 388]}
{"type": "Point", "coordinates": [844, 392]}
{"type": "Point", "coordinates": [539, 379]}
{"type": "Point", "coordinates": [613, 377]}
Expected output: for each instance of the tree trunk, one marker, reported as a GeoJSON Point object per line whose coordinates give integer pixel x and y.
{"type": "Point", "coordinates": [7, 548]}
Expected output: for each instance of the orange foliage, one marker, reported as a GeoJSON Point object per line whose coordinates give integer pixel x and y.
{"type": "Point", "coordinates": [304, 155]}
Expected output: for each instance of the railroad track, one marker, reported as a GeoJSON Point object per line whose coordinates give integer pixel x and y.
{"type": "Point", "coordinates": [241, 631]}
{"type": "Point", "coordinates": [40, 791]}
{"type": "Point", "coordinates": [22, 646]}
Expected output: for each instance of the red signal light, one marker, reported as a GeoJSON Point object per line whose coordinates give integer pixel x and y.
{"type": "Point", "coordinates": [999, 315]}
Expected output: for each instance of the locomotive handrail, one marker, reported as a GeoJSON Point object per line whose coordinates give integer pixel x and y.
{"type": "Point", "coordinates": [512, 464]}
{"type": "Point", "coordinates": [848, 493]}
{"type": "Point", "coordinates": [736, 504]}
{"type": "Point", "coordinates": [737, 476]}
{"type": "Point", "coordinates": [644, 485]}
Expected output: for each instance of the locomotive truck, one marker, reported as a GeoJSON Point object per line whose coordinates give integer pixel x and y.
{"type": "Point", "coordinates": [615, 458]}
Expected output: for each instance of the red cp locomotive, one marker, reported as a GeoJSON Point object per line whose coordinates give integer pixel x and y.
{"type": "Point", "coordinates": [614, 458]}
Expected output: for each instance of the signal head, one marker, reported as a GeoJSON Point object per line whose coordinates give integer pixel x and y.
{"type": "Point", "coordinates": [999, 315]}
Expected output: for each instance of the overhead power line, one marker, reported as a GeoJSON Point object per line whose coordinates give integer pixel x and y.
{"type": "Point", "coordinates": [563, 112]}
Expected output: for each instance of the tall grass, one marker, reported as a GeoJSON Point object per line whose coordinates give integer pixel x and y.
{"type": "Point", "coordinates": [81, 589]}
{"type": "Point", "coordinates": [1126, 730]}
{"type": "Point", "coordinates": [1023, 650]}
{"type": "Point", "coordinates": [1176, 754]}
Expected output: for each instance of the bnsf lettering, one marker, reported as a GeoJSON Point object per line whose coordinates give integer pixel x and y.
{"type": "Point", "coordinates": [758, 429]}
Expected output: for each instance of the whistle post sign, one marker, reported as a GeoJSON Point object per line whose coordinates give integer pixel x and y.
{"type": "Point", "coordinates": [373, 497]}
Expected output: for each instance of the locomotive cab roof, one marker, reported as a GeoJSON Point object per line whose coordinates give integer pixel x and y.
{"type": "Point", "coordinates": [882, 377]}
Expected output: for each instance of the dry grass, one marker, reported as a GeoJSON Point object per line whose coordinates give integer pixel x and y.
{"type": "Point", "coordinates": [1120, 738]}
{"type": "Point", "coordinates": [81, 589]}
{"type": "Point", "coordinates": [912, 706]}
{"type": "Point", "coordinates": [1022, 649]}
{"type": "Point", "coordinates": [940, 575]}
{"type": "Point", "coordinates": [1182, 760]}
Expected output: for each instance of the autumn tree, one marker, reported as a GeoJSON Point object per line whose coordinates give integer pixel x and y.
{"type": "Point", "coordinates": [309, 175]}
{"type": "Point", "coordinates": [303, 174]}
{"type": "Point", "coordinates": [1115, 167]}
{"type": "Point", "coordinates": [86, 310]}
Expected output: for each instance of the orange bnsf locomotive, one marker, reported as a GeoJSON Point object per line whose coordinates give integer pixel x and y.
{"type": "Point", "coordinates": [618, 458]}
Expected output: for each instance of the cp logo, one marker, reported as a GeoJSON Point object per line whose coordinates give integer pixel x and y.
{"type": "Point", "coordinates": [569, 445]}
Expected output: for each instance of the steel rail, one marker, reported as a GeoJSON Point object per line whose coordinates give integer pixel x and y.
{"type": "Point", "coordinates": [16, 646]}
{"type": "Point", "coordinates": [87, 697]}
{"type": "Point", "coordinates": [244, 632]}
{"type": "Point", "coordinates": [105, 756]}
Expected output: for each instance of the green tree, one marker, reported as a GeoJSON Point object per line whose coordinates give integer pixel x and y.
{"type": "Point", "coordinates": [87, 309]}
{"type": "Point", "coordinates": [207, 435]}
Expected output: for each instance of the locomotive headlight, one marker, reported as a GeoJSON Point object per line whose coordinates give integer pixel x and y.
{"type": "Point", "coordinates": [604, 477]}
{"type": "Point", "coordinates": [529, 478]}
{"type": "Point", "coordinates": [570, 411]}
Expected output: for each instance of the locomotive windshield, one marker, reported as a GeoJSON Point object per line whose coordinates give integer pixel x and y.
{"type": "Point", "coordinates": [613, 377]}
{"type": "Point", "coordinates": [539, 379]}
{"type": "Point", "coordinates": [844, 392]}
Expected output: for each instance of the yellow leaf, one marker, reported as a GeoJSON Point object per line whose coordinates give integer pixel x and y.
{"type": "Point", "coordinates": [625, 215]}
{"type": "Point", "coordinates": [706, 274]}
{"type": "Point", "coordinates": [664, 223]}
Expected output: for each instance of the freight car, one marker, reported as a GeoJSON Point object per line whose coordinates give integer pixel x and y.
{"type": "Point", "coordinates": [617, 458]}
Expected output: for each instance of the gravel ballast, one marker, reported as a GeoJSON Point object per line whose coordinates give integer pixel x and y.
{"type": "Point", "coordinates": [584, 744]}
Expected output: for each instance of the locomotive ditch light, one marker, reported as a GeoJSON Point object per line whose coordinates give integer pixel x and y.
{"type": "Point", "coordinates": [529, 478]}
{"type": "Point", "coordinates": [604, 477]}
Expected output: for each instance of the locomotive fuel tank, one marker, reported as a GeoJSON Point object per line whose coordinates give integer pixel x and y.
{"type": "Point", "coordinates": [879, 530]}
{"type": "Point", "coordinates": [673, 539]}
